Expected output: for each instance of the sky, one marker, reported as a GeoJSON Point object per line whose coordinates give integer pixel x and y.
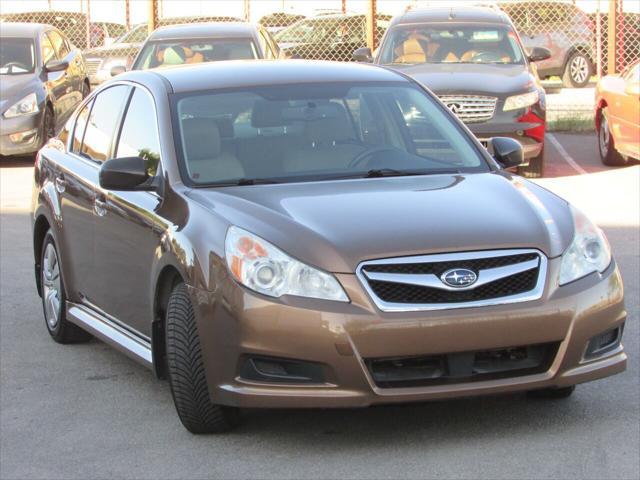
{"type": "Point", "coordinates": [114, 10]}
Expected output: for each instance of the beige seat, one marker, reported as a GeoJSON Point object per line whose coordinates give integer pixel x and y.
{"type": "Point", "coordinates": [410, 51]}
{"type": "Point", "coordinates": [206, 162]}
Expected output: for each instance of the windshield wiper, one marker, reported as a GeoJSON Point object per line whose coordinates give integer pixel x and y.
{"type": "Point", "coordinates": [391, 172]}
{"type": "Point", "coordinates": [253, 181]}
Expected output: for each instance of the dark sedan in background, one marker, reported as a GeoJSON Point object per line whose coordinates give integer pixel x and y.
{"type": "Point", "coordinates": [472, 58]}
{"type": "Point", "coordinates": [42, 80]}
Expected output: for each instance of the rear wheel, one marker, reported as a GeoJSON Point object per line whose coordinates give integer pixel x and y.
{"type": "Point", "coordinates": [186, 370]}
{"type": "Point", "coordinates": [54, 297]}
{"type": "Point", "coordinates": [578, 71]}
{"type": "Point", "coordinates": [606, 144]}
{"type": "Point", "coordinates": [552, 393]}
{"type": "Point", "coordinates": [535, 169]}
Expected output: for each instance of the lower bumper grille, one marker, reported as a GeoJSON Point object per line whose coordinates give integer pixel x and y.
{"type": "Point", "coordinates": [404, 372]}
{"type": "Point", "coordinates": [455, 280]}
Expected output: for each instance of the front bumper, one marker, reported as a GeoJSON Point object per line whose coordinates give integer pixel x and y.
{"type": "Point", "coordinates": [234, 323]}
{"type": "Point", "coordinates": [30, 125]}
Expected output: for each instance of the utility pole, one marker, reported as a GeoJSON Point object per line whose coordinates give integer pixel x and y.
{"type": "Point", "coordinates": [612, 37]}
{"type": "Point", "coordinates": [371, 24]}
{"type": "Point", "coordinates": [153, 15]}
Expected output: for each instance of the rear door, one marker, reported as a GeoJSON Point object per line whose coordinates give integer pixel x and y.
{"type": "Point", "coordinates": [127, 228]}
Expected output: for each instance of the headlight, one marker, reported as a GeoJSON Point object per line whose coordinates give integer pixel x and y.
{"type": "Point", "coordinates": [589, 251]}
{"type": "Point", "coordinates": [24, 106]}
{"type": "Point", "coordinates": [517, 102]}
{"type": "Point", "coordinates": [262, 267]}
{"type": "Point", "coordinates": [108, 63]}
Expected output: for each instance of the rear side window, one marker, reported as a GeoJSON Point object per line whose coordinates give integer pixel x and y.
{"type": "Point", "coordinates": [139, 134]}
{"type": "Point", "coordinates": [103, 119]}
{"type": "Point", "coordinates": [81, 125]}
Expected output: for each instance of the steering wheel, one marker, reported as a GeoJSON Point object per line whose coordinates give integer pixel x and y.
{"type": "Point", "coordinates": [16, 64]}
{"type": "Point", "coordinates": [362, 157]}
{"type": "Point", "coordinates": [487, 57]}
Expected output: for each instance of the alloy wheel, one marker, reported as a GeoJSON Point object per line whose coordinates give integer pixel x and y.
{"type": "Point", "coordinates": [51, 286]}
{"type": "Point", "coordinates": [579, 69]}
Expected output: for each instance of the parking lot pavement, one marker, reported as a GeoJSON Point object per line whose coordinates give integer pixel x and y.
{"type": "Point", "coordinates": [86, 411]}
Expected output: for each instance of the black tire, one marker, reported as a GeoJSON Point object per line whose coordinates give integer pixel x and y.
{"type": "Point", "coordinates": [535, 169]}
{"type": "Point", "coordinates": [48, 126]}
{"type": "Point", "coordinates": [578, 71]}
{"type": "Point", "coordinates": [86, 89]}
{"type": "Point", "coordinates": [606, 144]}
{"type": "Point", "coordinates": [186, 370]}
{"type": "Point", "coordinates": [60, 329]}
{"type": "Point", "coordinates": [552, 393]}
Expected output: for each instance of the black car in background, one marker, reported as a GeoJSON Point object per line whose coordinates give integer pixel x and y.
{"type": "Point", "coordinates": [472, 58]}
{"type": "Point", "coordinates": [564, 29]}
{"type": "Point", "coordinates": [277, 21]}
{"type": "Point", "coordinates": [328, 37]}
{"type": "Point", "coordinates": [42, 80]}
{"type": "Point", "coordinates": [73, 25]}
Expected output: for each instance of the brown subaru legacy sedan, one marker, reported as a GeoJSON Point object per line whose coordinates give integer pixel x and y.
{"type": "Point", "coordinates": [292, 234]}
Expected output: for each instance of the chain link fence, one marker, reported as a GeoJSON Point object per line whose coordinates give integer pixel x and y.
{"type": "Point", "coordinates": [585, 43]}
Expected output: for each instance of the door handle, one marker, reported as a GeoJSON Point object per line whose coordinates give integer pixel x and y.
{"type": "Point", "coordinates": [61, 185]}
{"type": "Point", "coordinates": [100, 207]}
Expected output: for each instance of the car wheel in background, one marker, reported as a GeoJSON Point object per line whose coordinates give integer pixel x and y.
{"type": "Point", "coordinates": [48, 126]}
{"type": "Point", "coordinates": [578, 71]}
{"type": "Point", "coordinates": [86, 90]}
{"type": "Point", "coordinates": [535, 169]}
{"type": "Point", "coordinates": [606, 144]}
{"type": "Point", "coordinates": [186, 370]}
{"type": "Point", "coordinates": [552, 393]}
{"type": "Point", "coordinates": [54, 297]}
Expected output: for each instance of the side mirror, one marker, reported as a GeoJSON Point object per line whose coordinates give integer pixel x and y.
{"type": "Point", "coordinates": [507, 152]}
{"type": "Point", "coordinates": [126, 173]}
{"type": "Point", "coordinates": [538, 54]}
{"type": "Point", "coordinates": [117, 70]}
{"type": "Point", "coordinates": [363, 55]}
{"type": "Point", "coordinates": [56, 65]}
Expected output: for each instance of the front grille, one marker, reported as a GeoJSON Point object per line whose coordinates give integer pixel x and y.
{"type": "Point", "coordinates": [92, 65]}
{"type": "Point", "coordinates": [418, 283]}
{"type": "Point", "coordinates": [406, 372]}
{"type": "Point", "coordinates": [471, 108]}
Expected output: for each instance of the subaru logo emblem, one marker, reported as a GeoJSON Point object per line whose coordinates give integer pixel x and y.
{"type": "Point", "coordinates": [459, 277]}
{"type": "Point", "coordinates": [455, 107]}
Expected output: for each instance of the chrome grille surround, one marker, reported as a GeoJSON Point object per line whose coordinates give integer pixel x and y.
{"type": "Point", "coordinates": [92, 65]}
{"type": "Point", "coordinates": [471, 108]}
{"type": "Point", "coordinates": [533, 294]}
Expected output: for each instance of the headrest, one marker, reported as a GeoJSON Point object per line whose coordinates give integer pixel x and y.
{"type": "Point", "coordinates": [330, 126]}
{"type": "Point", "coordinates": [268, 113]}
{"type": "Point", "coordinates": [201, 138]}
{"type": "Point", "coordinates": [174, 56]}
{"type": "Point", "coordinates": [411, 50]}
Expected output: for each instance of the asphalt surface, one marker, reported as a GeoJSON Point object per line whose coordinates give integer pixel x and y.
{"type": "Point", "coordinates": [86, 411]}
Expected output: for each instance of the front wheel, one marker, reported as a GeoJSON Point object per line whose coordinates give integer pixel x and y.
{"type": "Point", "coordinates": [54, 297]}
{"type": "Point", "coordinates": [48, 126]}
{"type": "Point", "coordinates": [186, 370]}
{"type": "Point", "coordinates": [578, 71]}
{"type": "Point", "coordinates": [606, 144]}
{"type": "Point", "coordinates": [535, 169]}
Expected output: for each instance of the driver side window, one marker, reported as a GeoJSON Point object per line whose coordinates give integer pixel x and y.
{"type": "Point", "coordinates": [46, 49]}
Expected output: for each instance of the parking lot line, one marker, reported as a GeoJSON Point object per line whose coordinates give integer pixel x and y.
{"type": "Point", "coordinates": [565, 155]}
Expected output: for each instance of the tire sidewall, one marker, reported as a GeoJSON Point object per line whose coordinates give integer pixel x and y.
{"type": "Point", "coordinates": [605, 156]}
{"type": "Point", "coordinates": [56, 331]}
{"type": "Point", "coordinates": [569, 77]}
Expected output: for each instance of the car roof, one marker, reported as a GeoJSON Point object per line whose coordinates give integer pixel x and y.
{"type": "Point", "coordinates": [198, 30]}
{"type": "Point", "coordinates": [250, 73]}
{"type": "Point", "coordinates": [459, 14]}
{"type": "Point", "coordinates": [11, 29]}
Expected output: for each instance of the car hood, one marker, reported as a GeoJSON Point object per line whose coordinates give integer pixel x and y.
{"type": "Point", "coordinates": [494, 80]}
{"type": "Point", "coordinates": [14, 87]}
{"type": "Point", "coordinates": [336, 225]}
{"type": "Point", "coordinates": [119, 50]}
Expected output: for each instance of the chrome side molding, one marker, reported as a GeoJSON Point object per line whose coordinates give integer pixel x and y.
{"type": "Point", "coordinates": [135, 348]}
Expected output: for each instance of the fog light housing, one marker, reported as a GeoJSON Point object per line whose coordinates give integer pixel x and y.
{"type": "Point", "coordinates": [604, 343]}
{"type": "Point", "coordinates": [22, 137]}
{"type": "Point", "coordinates": [279, 370]}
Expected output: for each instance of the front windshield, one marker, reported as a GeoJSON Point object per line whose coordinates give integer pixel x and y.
{"type": "Point", "coordinates": [313, 132]}
{"type": "Point", "coordinates": [307, 31]}
{"type": "Point", "coordinates": [448, 43]}
{"type": "Point", "coordinates": [178, 52]}
{"type": "Point", "coordinates": [17, 55]}
{"type": "Point", "coordinates": [137, 35]}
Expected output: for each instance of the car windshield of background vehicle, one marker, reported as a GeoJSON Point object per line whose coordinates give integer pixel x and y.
{"type": "Point", "coordinates": [313, 132]}
{"type": "Point", "coordinates": [169, 53]}
{"type": "Point", "coordinates": [308, 31]}
{"type": "Point", "coordinates": [137, 35]}
{"type": "Point", "coordinates": [17, 55]}
{"type": "Point", "coordinates": [451, 44]}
